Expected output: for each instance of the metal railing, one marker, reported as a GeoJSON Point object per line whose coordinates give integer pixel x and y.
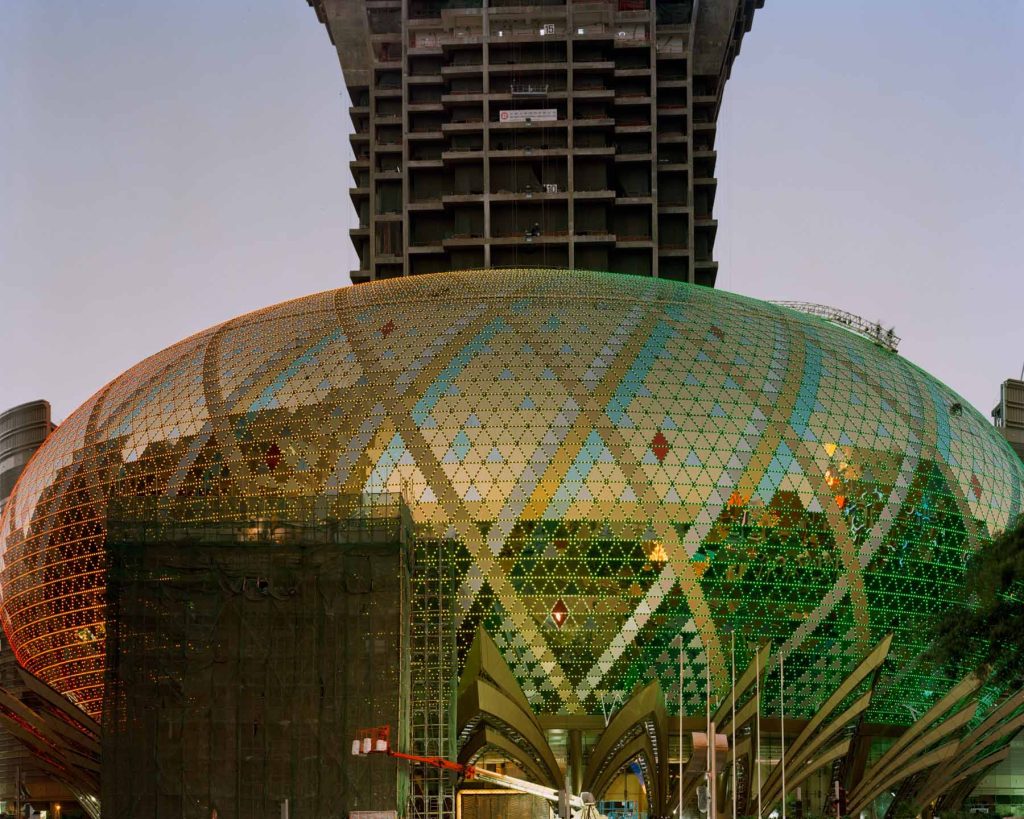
{"type": "Point", "coordinates": [869, 329]}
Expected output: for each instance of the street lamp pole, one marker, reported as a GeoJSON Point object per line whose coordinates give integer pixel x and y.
{"type": "Point", "coordinates": [757, 727]}
{"type": "Point", "coordinates": [732, 651]}
{"type": "Point", "coordinates": [709, 767]}
{"type": "Point", "coordinates": [782, 726]}
{"type": "Point", "coordinates": [680, 814]}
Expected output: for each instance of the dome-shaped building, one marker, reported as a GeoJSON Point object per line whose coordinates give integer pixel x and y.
{"type": "Point", "coordinates": [614, 461]}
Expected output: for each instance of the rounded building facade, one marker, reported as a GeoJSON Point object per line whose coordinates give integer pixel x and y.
{"type": "Point", "coordinates": [611, 462]}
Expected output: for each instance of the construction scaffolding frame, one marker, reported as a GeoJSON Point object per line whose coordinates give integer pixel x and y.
{"type": "Point", "coordinates": [433, 662]}
{"type": "Point", "coordinates": [243, 653]}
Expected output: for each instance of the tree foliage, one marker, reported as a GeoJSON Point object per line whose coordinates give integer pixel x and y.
{"type": "Point", "coordinates": [989, 631]}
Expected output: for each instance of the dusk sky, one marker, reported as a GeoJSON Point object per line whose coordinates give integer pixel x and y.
{"type": "Point", "coordinates": [166, 166]}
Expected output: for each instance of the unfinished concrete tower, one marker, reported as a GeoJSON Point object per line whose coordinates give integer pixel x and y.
{"type": "Point", "coordinates": [557, 134]}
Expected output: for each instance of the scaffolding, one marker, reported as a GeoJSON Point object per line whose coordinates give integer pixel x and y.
{"type": "Point", "coordinates": [433, 661]}
{"type": "Point", "coordinates": [242, 654]}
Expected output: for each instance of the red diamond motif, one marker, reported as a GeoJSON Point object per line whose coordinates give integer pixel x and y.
{"type": "Point", "coordinates": [560, 613]}
{"type": "Point", "coordinates": [387, 329]}
{"type": "Point", "coordinates": [659, 446]}
{"type": "Point", "coordinates": [976, 486]}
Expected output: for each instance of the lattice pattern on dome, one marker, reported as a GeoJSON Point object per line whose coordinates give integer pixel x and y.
{"type": "Point", "coordinates": [635, 458]}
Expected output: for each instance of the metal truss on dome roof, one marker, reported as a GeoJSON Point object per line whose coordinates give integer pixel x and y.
{"type": "Point", "coordinates": [869, 329]}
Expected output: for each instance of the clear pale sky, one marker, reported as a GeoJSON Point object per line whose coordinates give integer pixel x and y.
{"type": "Point", "coordinates": [165, 166]}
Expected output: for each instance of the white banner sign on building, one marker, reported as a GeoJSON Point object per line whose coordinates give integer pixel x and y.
{"type": "Point", "coordinates": [529, 115]}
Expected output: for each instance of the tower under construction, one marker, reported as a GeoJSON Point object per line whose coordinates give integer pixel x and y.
{"type": "Point", "coordinates": [562, 134]}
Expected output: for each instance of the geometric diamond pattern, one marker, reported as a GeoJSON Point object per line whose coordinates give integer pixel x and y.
{"type": "Point", "coordinates": [638, 458]}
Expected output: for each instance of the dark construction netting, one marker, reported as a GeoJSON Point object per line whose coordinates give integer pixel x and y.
{"type": "Point", "coordinates": [242, 658]}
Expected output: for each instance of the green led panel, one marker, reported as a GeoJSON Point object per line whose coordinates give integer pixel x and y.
{"type": "Point", "coordinates": [610, 461]}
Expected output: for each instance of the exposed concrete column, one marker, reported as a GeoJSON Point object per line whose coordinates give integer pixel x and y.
{"type": "Point", "coordinates": [570, 133]}
{"type": "Point", "coordinates": [691, 232]}
{"type": "Point", "coordinates": [406, 154]}
{"type": "Point", "coordinates": [652, 79]}
{"type": "Point", "coordinates": [485, 69]}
